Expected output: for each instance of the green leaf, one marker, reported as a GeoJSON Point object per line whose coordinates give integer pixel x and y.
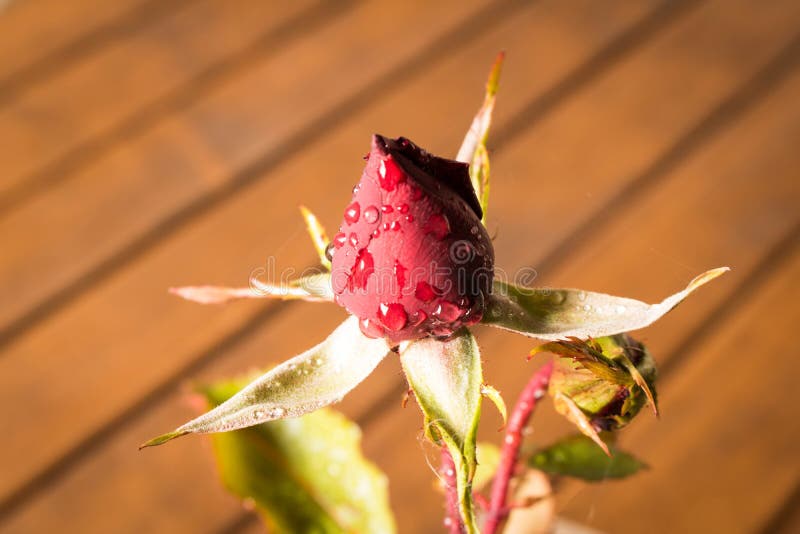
{"type": "Point", "coordinates": [316, 378]}
{"type": "Point", "coordinates": [577, 456]}
{"type": "Point", "coordinates": [446, 378]}
{"type": "Point", "coordinates": [552, 314]}
{"type": "Point", "coordinates": [305, 474]}
{"type": "Point", "coordinates": [318, 236]}
{"type": "Point", "coordinates": [473, 148]}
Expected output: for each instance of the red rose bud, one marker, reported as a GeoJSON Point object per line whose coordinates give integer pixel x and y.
{"type": "Point", "coordinates": [412, 258]}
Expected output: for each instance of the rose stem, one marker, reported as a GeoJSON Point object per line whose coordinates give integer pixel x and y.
{"type": "Point", "coordinates": [534, 390]}
{"type": "Point", "coordinates": [448, 472]}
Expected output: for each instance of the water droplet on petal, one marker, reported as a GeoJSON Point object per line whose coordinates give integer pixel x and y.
{"type": "Point", "coordinates": [447, 311]}
{"type": "Point", "coordinates": [402, 208]}
{"type": "Point", "coordinates": [393, 316]}
{"type": "Point", "coordinates": [425, 292]}
{"type": "Point", "coordinates": [400, 274]}
{"type": "Point", "coordinates": [370, 328]}
{"type": "Point", "coordinates": [376, 233]}
{"type": "Point", "coordinates": [354, 239]}
{"type": "Point", "coordinates": [365, 266]}
{"type": "Point", "coordinates": [395, 225]}
{"type": "Point", "coordinates": [329, 251]}
{"type": "Point", "coordinates": [410, 218]}
{"type": "Point", "coordinates": [385, 227]}
{"type": "Point", "coordinates": [386, 208]}
{"type": "Point", "coordinates": [438, 226]}
{"type": "Point", "coordinates": [418, 318]}
{"type": "Point", "coordinates": [389, 174]}
{"type": "Point", "coordinates": [352, 213]}
{"type": "Point", "coordinates": [339, 240]}
{"type": "Point", "coordinates": [371, 214]}
{"type": "Point", "coordinates": [278, 412]}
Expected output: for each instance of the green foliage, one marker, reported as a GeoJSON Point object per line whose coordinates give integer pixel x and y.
{"type": "Point", "coordinates": [579, 457]}
{"type": "Point", "coordinates": [553, 314]}
{"type": "Point", "coordinates": [446, 378]}
{"type": "Point", "coordinates": [304, 474]}
{"type": "Point", "coordinates": [320, 376]}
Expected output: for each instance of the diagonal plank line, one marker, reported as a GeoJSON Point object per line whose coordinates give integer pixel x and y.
{"type": "Point", "coordinates": [775, 258]}
{"type": "Point", "coordinates": [724, 115]}
{"type": "Point", "coordinates": [438, 50]}
{"type": "Point", "coordinates": [84, 45]}
{"type": "Point", "coordinates": [181, 97]}
{"type": "Point", "coordinates": [780, 520]}
{"type": "Point", "coordinates": [644, 30]}
{"type": "Point", "coordinates": [482, 22]}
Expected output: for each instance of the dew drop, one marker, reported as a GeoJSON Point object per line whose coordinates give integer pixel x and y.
{"type": "Point", "coordinates": [438, 226]}
{"type": "Point", "coordinates": [385, 227]}
{"type": "Point", "coordinates": [370, 328]}
{"type": "Point", "coordinates": [339, 240]}
{"type": "Point", "coordinates": [278, 412]}
{"type": "Point", "coordinates": [402, 208]}
{"type": "Point", "coordinates": [386, 208]}
{"type": "Point", "coordinates": [352, 213]}
{"type": "Point", "coordinates": [393, 316]}
{"type": "Point", "coordinates": [418, 318]}
{"type": "Point", "coordinates": [390, 174]}
{"type": "Point", "coordinates": [364, 267]}
{"type": "Point", "coordinates": [425, 292]}
{"type": "Point", "coordinates": [410, 218]}
{"type": "Point", "coordinates": [447, 311]}
{"type": "Point", "coordinates": [371, 214]}
{"type": "Point", "coordinates": [353, 239]}
{"type": "Point", "coordinates": [376, 233]}
{"type": "Point", "coordinates": [395, 225]}
{"type": "Point", "coordinates": [400, 274]}
{"type": "Point", "coordinates": [329, 251]}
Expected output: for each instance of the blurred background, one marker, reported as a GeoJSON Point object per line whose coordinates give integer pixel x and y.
{"type": "Point", "coordinates": [152, 143]}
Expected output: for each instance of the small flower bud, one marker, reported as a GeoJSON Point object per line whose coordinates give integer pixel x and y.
{"type": "Point", "coordinates": [412, 258]}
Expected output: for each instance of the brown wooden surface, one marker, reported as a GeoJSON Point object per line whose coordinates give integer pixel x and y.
{"type": "Point", "coordinates": [149, 144]}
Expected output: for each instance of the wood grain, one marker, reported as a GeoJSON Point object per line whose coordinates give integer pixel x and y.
{"type": "Point", "coordinates": [638, 145]}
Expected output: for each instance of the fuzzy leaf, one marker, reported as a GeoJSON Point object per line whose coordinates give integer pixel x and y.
{"type": "Point", "coordinates": [305, 474]}
{"type": "Point", "coordinates": [473, 148]}
{"type": "Point", "coordinates": [318, 236]}
{"type": "Point", "coordinates": [316, 378]}
{"type": "Point", "coordinates": [312, 288]}
{"type": "Point", "coordinates": [552, 314]}
{"type": "Point", "coordinates": [577, 456]}
{"type": "Point", "coordinates": [446, 378]}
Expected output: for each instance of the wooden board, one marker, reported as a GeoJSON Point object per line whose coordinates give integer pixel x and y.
{"type": "Point", "coordinates": [69, 118]}
{"type": "Point", "coordinates": [627, 111]}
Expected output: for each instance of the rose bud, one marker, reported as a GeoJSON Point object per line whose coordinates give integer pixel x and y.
{"type": "Point", "coordinates": [412, 257]}
{"type": "Point", "coordinates": [609, 379]}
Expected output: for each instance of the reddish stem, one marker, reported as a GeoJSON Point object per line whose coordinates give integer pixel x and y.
{"type": "Point", "coordinates": [448, 473]}
{"type": "Point", "coordinates": [534, 390]}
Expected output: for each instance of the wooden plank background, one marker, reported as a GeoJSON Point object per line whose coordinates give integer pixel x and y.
{"type": "Point", "coordinates": [147, 144]}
